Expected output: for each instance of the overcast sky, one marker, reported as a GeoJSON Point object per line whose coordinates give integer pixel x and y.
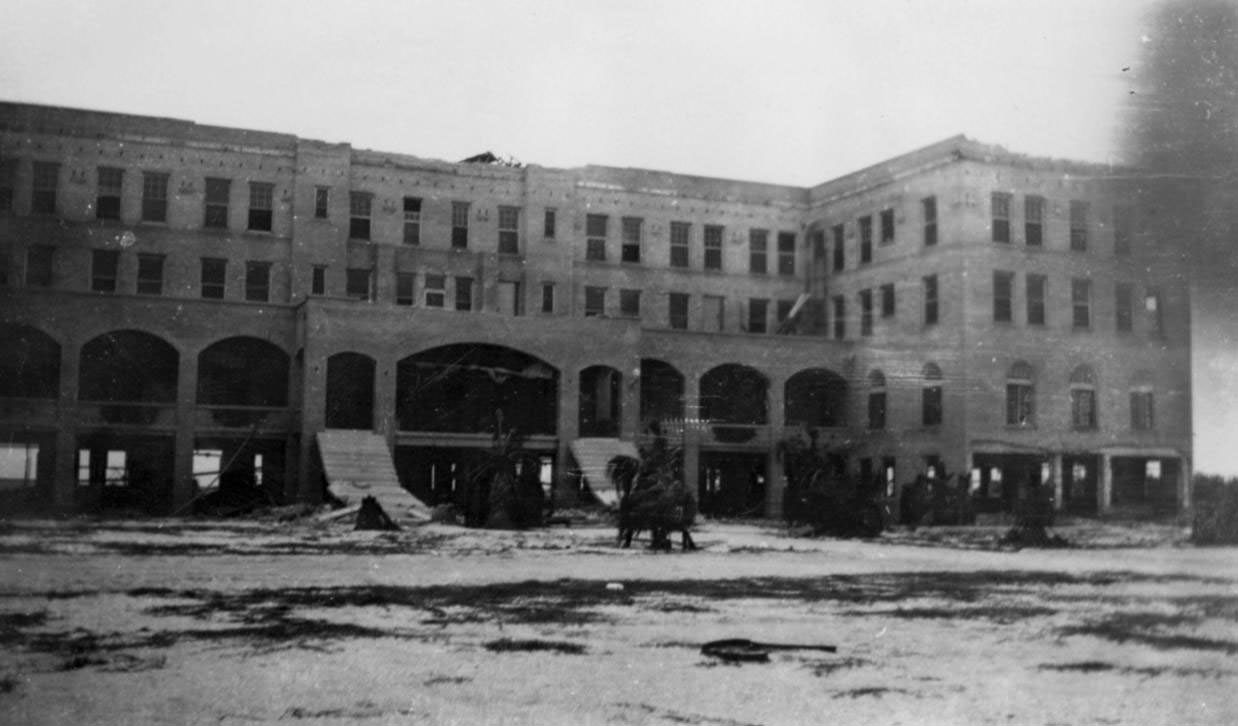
{"type": "Point", "coordinates": [785, 91]}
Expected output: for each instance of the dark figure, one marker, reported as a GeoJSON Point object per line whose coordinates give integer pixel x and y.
{"type": "Point", "coordinates": [653, 501]}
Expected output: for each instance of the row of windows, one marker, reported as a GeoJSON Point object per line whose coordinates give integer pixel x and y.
{"type": "Point", "coordinates": [1081, 303]}
{"type": "Point", "coordinates": [1034, 206]}
{"type": "Point", "coordinates": [885, 296]}
{"type": "Point", "coordinates": [865, 226]}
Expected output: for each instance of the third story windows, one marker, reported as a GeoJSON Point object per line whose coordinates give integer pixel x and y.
{"type": "Point", "coordinates": [840, 252]}
{"type": "Point", "coordinates": [459, 225]}
{"type": "Point", "coordinates": [595, 237]}
{"type": "Point", "coordinates": [866, 240]}
{"type": "Point", "coordinates": [154, 196]}
{"type": "Point", "coordinates": [107, 202]}
{"type": "Point", "coordinates": [631, 239]}
{"type": "Point", "coordinates": [360, 209]}
{"type": "Point", "coordinates": [1078, 226]}
{"type": "Point", "coordinates": [412, 221]}
{"type": "Point", "coordinates": [1034, 220]}
{"type": "Point", "coordinates": [214, 277]}
{"type": "Point", "coordinates": [509, 230]}
{"type": "Point", "coordinates": [1036, 285]}
{"type": "Point", "coordinates": [261, 198]}
{"type": "Point", "coordinates": [677, 310]}
{"type": "Point", "coordinates": [680, 236]}
{"type": "Point", "coordinates": [758, 242]}
{"type": "Point", "coordinates": [595, 301]}
{"type": "Point", "coordinates": [216, 210]}
{"type": "Point", "coordinates": [999, 205]}
{"type": "Point", "coordinates": [786, 253]}
{"type": "Point", "coordinates": [46, 182]}
{"type": "Point", "coordinates": [887, 226]}
{"type": "Point", "coordinates": [928, 206]}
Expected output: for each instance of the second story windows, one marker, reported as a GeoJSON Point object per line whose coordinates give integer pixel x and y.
{"type": "Point", "coordinates": [1078, 226]}
{"type": "Point", "coordinates": [629, 303]}
{"type": "Point", "coordinates": [214, 278]}
{"type": "Point", "coordinates": [40, 262]}
{"type": "Point", "coordinates": [876, 400]}
{"type": "Point", "coordinates": [509, 230]}
{"type": "Point", "coordinates": [840, 317]}
{"type": "Point", "coordinates": [713, 247]}
{"type": "Point", "coordinates": [866, 240]}
{"type": "Point", "coordinates": [838, 232]}
{"type": "Point", "coordinates": [887, 226]}
{"type": "Point", "coordinates": [46, 183]}
{"type": "Point", "coordinates": [412, 221]}
{"type": "Point", "coordinates": [459, 225]}
{"type": "Point", "coordinates": [436, 291]}
{"type": "Point", "coordinates": [104, 265]}
{"type": "Point", "coordinates": [931, 405]}
{"type": "Point", "coordinates": [1020, 396]}
{"type": "Point", "coordinates": [257, 281]}
{"type": "Point", "coordinates": [360, 209]}
{"type": "Point", "coordinates": [150, 274]}
{"type": "Point", "coordinates": [1143, 408]}
{"type": "Point", "coordinates": [1036, 285]}
{"type": "Point", "coordinates": [107, 199]}
{"type": "Point", "coordinates": [464, 293]}
{"type": "Point", "coordinates": [595, 301]}
{"type": "Point", "coordinates": [928, 207]}
{"type": "Point", "coordinates": [261, 208]}
{"type": "Point", "coordinates": [357, 283]}
{"type": "Point", "coordinates": [548, 223]}
{"type": "Point", "coordinates": [866, 312]}
{"type": "Point", "coordinates": [786, 253]}
{"type": "Point", "coordinates": [1003, 297]}
{"type": "Point", "coordinates": [631, 239]}
{"type": "Point", "coordinates": [318, 280]}
{"type": "Point", "coordinates": [154, 197]}
{"type": "Point", "coordinates": [322, 202]}
{"type": "Point", "coordinates": [677, 310]}
{"type": "Point", "coordinates": [680, 235]}
{"type": "Point", "coordinates": [1081, 303]}
{"type": "Point", "coordinates": [1083, 399]}
{"type": "Point", "coordinates": [1034, 220]}
{"type": "Point", "coordinates": [758, 242]}
{"type": "Point", "coordinates": [216, 209]}
{"type": "Point", "coordinates": [595, 237]}
{"type": "Point", "coordinates": [999, 205]}
{"type": "Point", "coordinates": [758, 315]}
{"type": "Point", "coordinates": [887, 300]}
{"type": "Point", "coordinates": [1122, 302]}
{"type": "Point", "coordinates": [548, 298]}
{"type": "Point", "coordinates": [930, 299]}
{"type": "Point", "coordinates": [404, 284]}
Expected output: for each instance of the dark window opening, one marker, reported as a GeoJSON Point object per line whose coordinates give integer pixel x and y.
{"type": "Point", "coordinates": [928, 206]}
{"type": "Point", "coordinates": [357, 284]}
{"type": "Point", "coordinates": [887, 300]}
{"type": "Point", "coordinates": [1078, 226]}
{"type": "Point", "coordinates": [214, 277]}
{"type": "Point", "coordinates": [930, 299]}
{"type": "Point", "coordinates": [786, 253]}
{"type": "Point", "coordinates": [322, 202]}
{"type": "Point", "coordinates": [679, 243]}
{"type": "Point", "coordinates": [758, 313]}
{"type": "Point", "coordinates": [360, 208]}
{"type": "Point", "coordinates": [46, 183]}
{"type": "Point", "coordinates": [840, 251]}
{"type": "Point", "coordinates": [459, 225]}
{"type": "Point", "coordinates": [548, 297]}
{"type": "Point", "coordinates": [107, 201]}
{"type": "Point", "coordinates": [404, 288]}
{"type": "Point", "coordinates": [629, 303]}
{"type": "Point", "coordinates": [757, 242]}
{"type": "Point", "coordinates": [548, 223]}
{"type": "Point", "coordinates": [318, 281]}
{"type": "Point", "coordinates": [840, 317]}
{"type": "Point", "coordinates": [713, 247]}
{"type": "Point", "coordinates": [1081, 302]}
{"type": "Point", "coordinates": [1000, 207]}
{"type": "Point", "coordinates": [150, 274]}
{"type": "Point", "coordinates": [464, 293]}
{"type": "Point", "coordinates": [509, 230]}
{"type": "Point", "coordinates": [104, 265]}
{"type": "Point", "coordinates": [257, 281]}
{"type": "Point", "coordinates": [631, 239]}
{"type": "Point", "coordinates": [678, 310]}
{"type": "Point", "coordinates": [1123, 301]}
{"type": "Point", "coordinates": [218, 192]}
{"type": "Point", "coordinates": [154, 197]}
{"type": "Point", "coordinates": [595, 301]}
{"type": "Point", "coordinates": [866, 240]}
{"type": "Point", "coordinates": [1036, 299]}
{"type": "Point", "coordinates": [412, 221]}
{"type": "Point", "coordinates": [261, 209]}
{"type": "Point", "coordinates": [1033, 220]}
{"type": "Point", "coordinates": [1003, 297]}
{"type": "Point", "coordinates": [887, 226]}
{"type": "Point", "coordinates": [866, 312]}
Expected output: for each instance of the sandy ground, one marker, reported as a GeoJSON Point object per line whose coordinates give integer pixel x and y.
{"type": "Point", "coordinates": [306, 622]}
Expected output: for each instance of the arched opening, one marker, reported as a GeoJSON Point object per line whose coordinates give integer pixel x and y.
{"type": "Point", "coordinates": [29, 363]}
{"type": "Point", "coordinates": [238, 374]}
{"type": "Point", "coordinates": [815, 397]}
{"type": "Point", "coordinates": [661, 393]}
{"type": "Point", "coordinates": [735, 394]}
{"type": "Point", "coordinates": [600, 401]}
{"type": "Point", "coordinates": [350, 391]}
{"type": "Point", "coordinates": [128, 367]}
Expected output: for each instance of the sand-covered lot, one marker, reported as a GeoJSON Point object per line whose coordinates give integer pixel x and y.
{"type": "Point", "coordinates": [306, 622]}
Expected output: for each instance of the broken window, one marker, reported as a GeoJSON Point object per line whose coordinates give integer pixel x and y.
{"type": "Point", "coordinates": [629, 303]}
{"type": "Point", "coordinates": [154, 197]}
{"type": "Point", "coordinates": [404, 283]}
{"type": "Point", "coordinates": [757, 241]}
{"type": "Point", "coordinates": [679, 243]}
{"type": "Point", "coordinates": [218, 192]}
{"type": "Point", "coordinates": [107, 199]}
{"type": "Point", "coordinates": [40, 261]}
{"type": "Point", "coordinates": [261, 206]}
{"type": "Point", "coordinates": [758, 313]}
{"type": "Point", "coordinates": [595, 301]}
{"type": "Point", "coordinates": [786, 253]}
{"type": "Point", "coordinates": [999, 204]}
{"type": "Point", "coordinates": [104, 264]}
{"type": "Point", "coordinates": [357, 283]}
{"type": "Point", "coordinates": [464, 293]}
{"type": "Point", "coordinates": [360, 208]}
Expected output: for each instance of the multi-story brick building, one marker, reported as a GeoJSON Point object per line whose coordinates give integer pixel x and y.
{"type": "Point", "coordinates": [180, 298]}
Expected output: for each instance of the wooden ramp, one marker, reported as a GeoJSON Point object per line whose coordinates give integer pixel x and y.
{"type": "Point", "coordinates": [593, 456]}
{"type": "Point", "coordinates": [358, 464]}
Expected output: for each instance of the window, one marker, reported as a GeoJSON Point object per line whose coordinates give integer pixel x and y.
{"type": "Point", "coordinates": [595, 301]}
{"type": "Point", "coordinates": [930, 299]}
{"type": "Point", "coordinates": [1078, 226]}
{"type": "Point", "coordinates": [866, 312]}
{"type": "Point", "coordinates": [261, 195]}
{"type": "Point", "coordinates": [930, 396]}
{"type": "Point", "coordinates": [436, 291]}
{"type": "Point", "coordinates": [713, 314]}
{"type": "Point", "coordinates": [1036, 285]}
{"type": "Point", "coordinates": [216, 210]}
{"type": "Point", "coordinates": [360, 208]}
{"type": "Point", "coordinates": [154, 197]}
{"type": "Point", "coordinates": [866, 240]}
{"type": "Point", "coordinates": [8, 181]}
{"type": "Point", "coordinates": [840, 252]}
{"type": "Point", "coordinates": [19, 464]}
{"type": "Point", "coordinates": [758, 240]}
{"type": "Point", "coordinates": [629, 303]}
{"type": "Point", "coordinates": [107, 200]}
{"type": "Point", "coordinates": [887, 300]}
{"type": "Point", "coordinates": [840, 317]}
{"type": "Point", "coordinates": [412, 220]}
{"type": "Point", "coordinates": [631, 239]}
{"type": "Point", "coordinates": [257, 281]}
{"type": "Point", "coordinates": [1123, 229]}
{"type": "Point", "coordinates": [677, 308]}
{"type": "Point", "coordinates": [818, 245]}
{"type": "Point", "coordinates": [464, 293]}
{"type": "Point", "coordinates": [509, 230]}
{"type": "Point", "coordinates": [928, 206]}
{"type": "Point", "coordinates": [680, 232]}
{"type": "Point", "coordinates": [758, 314]}
{"type": "Point", "coordinates": [1033, 220]}
{"type": "Point", "coordinates": [548, 223]}
{"type": "Point", "coordinates": [318, 280]}
{"type": "Point", "coordinates": [40, 261]}
{"type": "Point", "coordinates": [322, 202]}
{"type": "Point", "coordinates": [214, 277]}
{"type": "Point", "coordinates": [150, 274]}
{"type": "Point", "coordinates": [46, 182]}
{"type": "Point", "coordinates": [1020, 396]}
{"type": "Point", "coordinates": [460, 225]}
{"type": "Point", "coordinates": [887, 226]}
{"type": "Point", "coordinates": [1081, 302]}
{"type": "Point", "coordinates": [510, 302]}
{"type": "Point", "coordinates": [1083, 399]}
{"type": "Point", "coordinates": [1155, 309]}
{"type": "Point", "coordinates": [876, 400]}
{"type": "Point", "coordinates": [595, 237]}
{"type": "Point", "coordinates": [1142, 403]}
{"type": "Point", "coordinates": [783, 312]}
{"type": "Point", "coordinates": [548, 297]}
{"type": "Point", "coordinates": [404, 283]}
{"type": "Point", "coordinates": [4, 268]}
{"type": "Point", "coordinates": [1123, 299]}
{"type": "Point", "coordinates": [103, 268]}
{"type": "Point", "coordinates": [357, 283]}
{"type": "Point", "coordinates": [786, 253]}
{"type": "Point", "coordinates": [1003, 297]}
{"type": "Point", "coordinates": [999, 205]}
{"type": "Point", "coordinates": [713, 247]}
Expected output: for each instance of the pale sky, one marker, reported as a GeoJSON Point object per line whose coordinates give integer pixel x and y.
{"type": "Point", "coordinates": [785, 91]}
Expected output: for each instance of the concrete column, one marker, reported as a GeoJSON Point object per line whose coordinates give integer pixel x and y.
{"type": "Point", "coordinates": [64, 478]}
{"type": "Point", "coordinates": [568, 430]}
{"type": "Point", "coordinates": [1058, 482]}
{"type": "Point", "coordinates": [629, 397]}
{"type": "Point", "coordinates": [775, 483]}
{"type": "Point", "coordinates": [184, 487]}
{"type": "Point", "coordinates": [384, 273]}
{"type": "Point", "coordinates": [384, 399]}
{"type": "Point", "coordinates": [692, 431]}
{"type": "Point", "coordinates": [1104, 488]}
{"type": "Point", "coordinates": [313, 412]}
{"type": "Point", "coordinates": [1185, 490]}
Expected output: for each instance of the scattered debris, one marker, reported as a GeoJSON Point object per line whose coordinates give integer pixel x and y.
{"type": "Point", "coordinates": [372, 516]}
{"type": "Point", "coordinates": [744, 650]}
{"type": "Point", "coordinates": [506, 645]}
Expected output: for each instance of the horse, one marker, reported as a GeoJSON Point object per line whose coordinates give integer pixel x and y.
{"type": "Point", "coordinates": [652, 501]}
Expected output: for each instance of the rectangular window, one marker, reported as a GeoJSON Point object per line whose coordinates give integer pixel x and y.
{"type": "Point", "coordinates": [1003, 297]}
{"type": "Point", "coordinates": [510, 301]}
{"type": "Point", "coordinates": [758, 312]}
{"type": "Point", "coordinates": [930, 299]}
{"type": "Point", "coordinates": [322, 202]}
{"type": "Point", "coordinates": [257, 281]}
{"type": "Point", "coordinates": [107, 199]}
{"type": "Point", "coordinates": [887, 226]}
{"type": "Point", "coordinates": [436, 291]}
{"type": "Point", "coordinates": [677, 309]}
{"type": "Point", "coordinates": [999, 204]}
{"type": "Point", "coordinates": [360, 209]}
{"type": "Point", "coordinates": [629, 303]}
{"type": "Point", "coordinates": [214, 277]}
{"type": "Point", "coordinates": [357, 283]}
{"type": "Point", "coordinates": [261, 196]}
{"type": "Point", "coordinates": [713, 313]}
{"type": "Point", "coordinates": [928, 206]}
{"type": "Point", "coordinates": [509, 230]}
{"type": "Point", "coordinates": [412, 221]}
{"type": "Point", "coordinates": [1153, 304]}
{"type": "Point", "coordinates": [548, 223]}
{"type": "Point", "coordinates": [866, 240]}
{"type": "Point", "coordinates": [758, 240]}
{"type": "Point", "coordinates": [318, 280]}
{"type": "Point", "coordinates": [404, 284]}
{"type": "Point", "coordinates": [877, 410]}
{"type": "Point", "coordinates": [1081, 302]}
{"type": "Point", "coordinates": [713, 247]}
{"type": "Point", "coordinates": [1123, 300]}
{"type": "Point", "coordinates": [154, 197]}
{"type": "Point", "coordinates": [931, 405]}
{"type": "Point", "coordinates": [464, 293]}
{"type": "Point", "coordinates": [46, 183]}
{"type": "Point", "coordinates": [8, 182]}
{"type": "Point", "coordinates": [887, 300]}
{"type": "Point", "coordinates": [1142, 410]}
{"type": "Point", "coordinates": [595, 301]}
{"type": "Point", "coordinates": [1078, 226]}
{"type": "Point", "coordinates": [786, 253]}
{"type": "Point", "coordinates": [1083, 409]}
{"type": "Point", "coordinates": [459, 225]}
{"type": "Point", "coordinates": [631, 239]}
{"type": "Point", "coordinates": [150, 274]}
{"type": "Point", "coordinates": [548, 297]}
{"type": "Point", "coordinates": [1034, 220]}
{"type": "Point", "coordinates": [218, 192]}
{"type": "Point", "coordinates": [1020, 403]}
{"type": "Point", "coordinates": [1036, 285]}
{"type": "Point", "coordinates": [40, 260]}
{"type": "Point", "coordinates": [1123, 229]}
{"type": "Point", "coordinates": [840, 251]}
{"type": "Point", "coordinates": [103, 268]}
{"type": "Point", "coordinates": [840, 317]}
{"type": "Point", "coordinates": [866, 312]}
{"type": "Point", "coordinates": [680, 232]}
{"type": "Point", "coordinates": [595, 237]}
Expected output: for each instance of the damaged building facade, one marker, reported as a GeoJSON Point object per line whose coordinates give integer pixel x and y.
{"type": "Point", "coordinates": [180, 300]}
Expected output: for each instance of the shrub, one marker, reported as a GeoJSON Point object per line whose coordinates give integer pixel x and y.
{"type": "Point", "coordinates": [1216, 511]}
